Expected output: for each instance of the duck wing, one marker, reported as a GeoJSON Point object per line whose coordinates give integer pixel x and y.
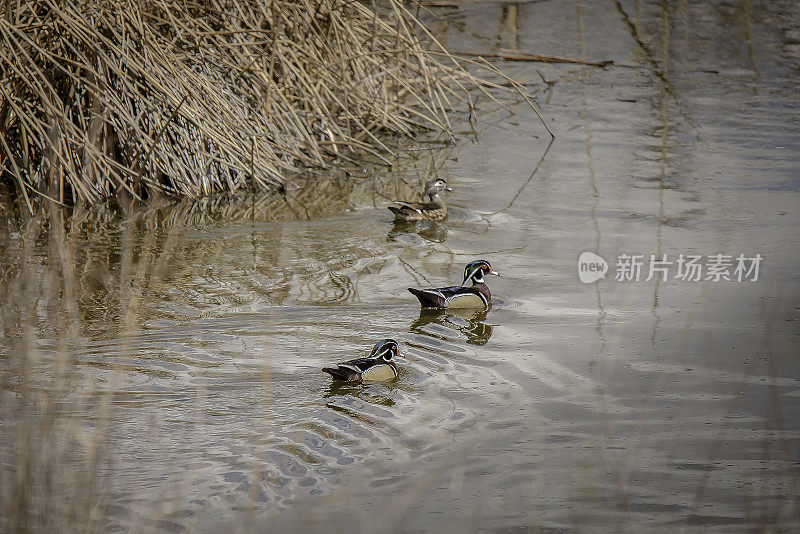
{"type": "Point", "coordinates": [437, 297]}
{"type": "Point", "coordinates": [350, 370]}
{"type": "Point", "coordinates": [429, 298]}
{"type": "Point", "coordinates": [453, 296]}
{"type": "Point", "coordinates": [344, 374]}
{"type": "Point", "coordinates": [362, 364]}
{"type": "Point", "coordinates": [416, 206]}
{"type": "Point", "coordinates": [409, 209]}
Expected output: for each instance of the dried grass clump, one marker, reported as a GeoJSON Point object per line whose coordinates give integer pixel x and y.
{"type": "Point", "coordinates": [191, 97]}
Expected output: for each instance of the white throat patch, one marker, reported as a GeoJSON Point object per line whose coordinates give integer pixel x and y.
{"type": "Point", "coordinates": [475, 275]}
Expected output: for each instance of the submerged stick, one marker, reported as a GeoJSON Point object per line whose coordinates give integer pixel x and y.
{"type": "Point", "coordinates": [523, 56]}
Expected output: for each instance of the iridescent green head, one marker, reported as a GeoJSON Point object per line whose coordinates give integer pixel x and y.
{"type": "Point", "coordinates": [385, 349]}
{"type": "Point", "coordinates": [475, 270]}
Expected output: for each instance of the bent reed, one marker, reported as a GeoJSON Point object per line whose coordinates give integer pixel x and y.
{"type": "Point", "coordinates": [190, 98]}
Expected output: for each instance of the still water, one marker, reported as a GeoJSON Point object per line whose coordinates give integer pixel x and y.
{"type": "Point", "coordinates": [161, 364]}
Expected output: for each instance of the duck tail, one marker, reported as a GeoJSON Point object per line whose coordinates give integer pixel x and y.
{"type": "Point", "coordinates": [427, 300]}
{"type": "Point", "coordinates": [336, 373]}
{"type": "Point", "coordinates": [399, 213]}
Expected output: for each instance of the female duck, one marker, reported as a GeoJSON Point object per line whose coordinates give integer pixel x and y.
{"type": "Point", "coordinates": [378, 366]}
{"type": "Point", "coordinates": [434, 210]}
{"type": "Point", "coordinates": [476, 296]}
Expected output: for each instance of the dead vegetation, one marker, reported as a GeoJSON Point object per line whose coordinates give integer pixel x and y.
{"type": "Point", "coordinates": [189, 98]}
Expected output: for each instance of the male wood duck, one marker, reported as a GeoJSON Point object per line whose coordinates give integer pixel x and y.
{"type": "Point", "coordinates": [434, 210]}
{"type": "Point", "coordinates": [477, 296]}
{"type": "Point", "coordinates": [378, 366]}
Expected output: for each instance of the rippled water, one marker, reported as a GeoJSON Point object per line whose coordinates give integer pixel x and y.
{"type": "Point", "coordinates": [180, 346]}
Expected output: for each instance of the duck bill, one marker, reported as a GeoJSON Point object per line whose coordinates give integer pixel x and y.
{"type": "Point", "coordinates": [494, 272]}
{"type": "Point", "coordinates": [448, 188]}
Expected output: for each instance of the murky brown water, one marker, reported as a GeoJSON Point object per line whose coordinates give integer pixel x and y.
{"type": "Point", "coordinates": [176, 349]}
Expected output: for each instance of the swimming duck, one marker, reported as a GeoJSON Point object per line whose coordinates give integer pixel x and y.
{"type": "Point", "coordinates": [378, 366]}
{"type": "Point", "coordinates": [434, 210]}
{"type": "Point", "coordinates": [477, 296]}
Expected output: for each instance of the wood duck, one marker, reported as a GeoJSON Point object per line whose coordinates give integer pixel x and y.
{"type": "Point", "coordinates": [434, 210]}
{"type": "Point", "coordinates": [378, 366]}
{"type": "Point", "coordinates": [477, 296]}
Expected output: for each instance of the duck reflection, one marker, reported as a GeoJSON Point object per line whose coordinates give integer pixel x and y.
{"type": "Point", "coordinates": [355, 389]}
{"type": "Point", "coordinates": [429, 230]}
{"type": "Point", "coordinates": [469, 322]}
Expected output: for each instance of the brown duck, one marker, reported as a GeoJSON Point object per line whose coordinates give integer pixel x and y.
{"type": "Point", "coordinates": [435, 210]}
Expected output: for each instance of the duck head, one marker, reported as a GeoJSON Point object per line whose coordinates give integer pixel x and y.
{"type": "Point", "coordinates": [433, 187]}
{"type": "Point", "coordinates": [385, 350]}
{"type": "Point", "coordinates": [475, 270]}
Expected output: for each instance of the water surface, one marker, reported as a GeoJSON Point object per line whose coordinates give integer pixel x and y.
{"type": "Point", "coordinates": [178, 347]}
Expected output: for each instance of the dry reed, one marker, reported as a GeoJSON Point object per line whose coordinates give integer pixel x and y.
{"type": "Point", "coordinates": [190, 98]}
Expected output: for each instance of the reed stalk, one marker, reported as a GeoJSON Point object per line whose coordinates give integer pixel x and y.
{"type": "Point", "coordinates": [100, 98]}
